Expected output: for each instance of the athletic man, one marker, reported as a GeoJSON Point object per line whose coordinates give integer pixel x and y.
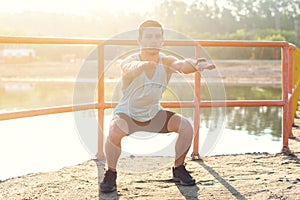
{"type": "Point", "coordinates": [145, 76]}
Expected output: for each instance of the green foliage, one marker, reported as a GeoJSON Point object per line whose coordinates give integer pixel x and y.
{"type": "Point", "coordinates": [274, 20]}
{"type": "Point", "coordinates": [276, 37]}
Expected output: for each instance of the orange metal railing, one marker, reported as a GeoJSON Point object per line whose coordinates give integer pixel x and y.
{"type": "Point", "coordinates": [290, 56]}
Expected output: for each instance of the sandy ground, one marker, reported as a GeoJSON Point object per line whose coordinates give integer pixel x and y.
{"type": "Point", "coordinates": [248, 176]}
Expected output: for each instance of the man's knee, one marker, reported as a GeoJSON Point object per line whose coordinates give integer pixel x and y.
{"type": "Point", "coordinates": [186, 126]}
{"type": "Point", "coordinates": [118, 129]}
{"type": "Point", "coordinates": [180, 124]}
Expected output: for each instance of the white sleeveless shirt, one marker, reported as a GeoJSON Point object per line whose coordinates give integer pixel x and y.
{"type": "Point", "coordinates": [141, 98]}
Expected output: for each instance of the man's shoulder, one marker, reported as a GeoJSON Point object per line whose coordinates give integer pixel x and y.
{"type": "Point", "coordinates": [167, 60]}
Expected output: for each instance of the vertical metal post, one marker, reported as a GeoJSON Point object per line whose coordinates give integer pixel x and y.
{"type": "Point", "coordinates": [285, 114]}
{"type": "Point", "coordinates": [100, 153]}
{"type": "Point", "coordinates": [197, 84]}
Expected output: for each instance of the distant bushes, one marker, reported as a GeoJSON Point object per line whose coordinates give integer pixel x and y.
{"type": "Point", "coordinates": [249, 53]}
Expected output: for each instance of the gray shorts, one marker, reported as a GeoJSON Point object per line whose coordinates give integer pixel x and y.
{"type": "Point", "coordinates": [159, 123]}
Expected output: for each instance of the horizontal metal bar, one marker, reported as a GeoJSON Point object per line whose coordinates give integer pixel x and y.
{"type": "Point", "coordinates": [166, 104]}
{"type": "Point", "coordinates": [94, 41]}
{"type": "Point", "coordinates": [47, 40]}
{"type": "Point", "coordinates": [243, 43]}
{"type": "Point", "coordinates": [207, 43]}
{"type": "Point", "coordinates": [45, 111]}
{"type": "Point", "coordinates": [244, 103]}
{"type": "Point", "coordinates": [234, 103]}
{"type": "Point", "coordinates": [192, 104]}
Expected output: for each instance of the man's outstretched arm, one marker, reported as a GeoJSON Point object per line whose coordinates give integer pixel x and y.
{"type": "Point", "coordinates": [190, 65]}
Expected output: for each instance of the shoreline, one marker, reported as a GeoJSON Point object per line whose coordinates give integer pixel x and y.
{"type": "Point", "coordinates": [229, 71]}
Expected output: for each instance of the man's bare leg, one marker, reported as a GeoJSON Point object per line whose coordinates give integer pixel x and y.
{"type": "Point", "coordinates": [185, 132]}
{"type": "Point", "coordinates": [113, 152]}
{"type": "Point", "coordinates": [117, 131]}
{"type": "Point", "coordinates": [184, 129]}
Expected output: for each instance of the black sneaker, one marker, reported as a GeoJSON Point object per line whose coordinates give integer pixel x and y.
{"type": "Point", "coordinates": [181, 175]}
{"type": "Point", "coordinates": [109, 182]}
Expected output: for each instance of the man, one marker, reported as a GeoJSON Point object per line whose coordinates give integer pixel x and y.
{"type": "Point", "coordinates": [145, 76]}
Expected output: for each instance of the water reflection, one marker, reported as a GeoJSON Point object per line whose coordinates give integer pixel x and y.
{"type": "Point", "coordinates": [255, 120]}
{"type": "Point", "coordinates": [18, 96]}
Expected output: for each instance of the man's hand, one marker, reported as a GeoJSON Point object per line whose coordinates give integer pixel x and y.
{"type": "Point", "coordinates": [202, 64]}
{"type": "Point", "coordinates": [147, 65]}
{"type": "Point", "coordinates": [132, 68]}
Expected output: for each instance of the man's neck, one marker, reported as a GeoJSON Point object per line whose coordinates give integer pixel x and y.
{"type": "Point", "coordinates": [146, 56]}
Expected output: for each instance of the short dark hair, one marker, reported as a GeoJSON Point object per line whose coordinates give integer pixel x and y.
{"type": "Point", "coordinates": [149, 23]}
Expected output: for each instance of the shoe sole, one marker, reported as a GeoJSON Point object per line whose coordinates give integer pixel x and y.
{"type": "Point", "coordinates": [177, 180]}
{"type": "Point", "coordinates": [108, 191]}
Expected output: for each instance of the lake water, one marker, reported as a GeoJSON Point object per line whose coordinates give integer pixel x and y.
{"type": "Point", "coordinates": [48, 143]}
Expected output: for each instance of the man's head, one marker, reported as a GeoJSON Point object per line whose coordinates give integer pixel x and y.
{"type": "Point", "coordinates": [147, 24]}
{"type": "Point", "coordinates": [150, 35]}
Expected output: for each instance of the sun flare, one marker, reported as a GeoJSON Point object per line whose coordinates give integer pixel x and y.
{"type": "Point", "coordinates": [79, 6]}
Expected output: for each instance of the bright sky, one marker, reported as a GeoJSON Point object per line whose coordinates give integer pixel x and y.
{"type": "Point", "coordinates": [79, 6]}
